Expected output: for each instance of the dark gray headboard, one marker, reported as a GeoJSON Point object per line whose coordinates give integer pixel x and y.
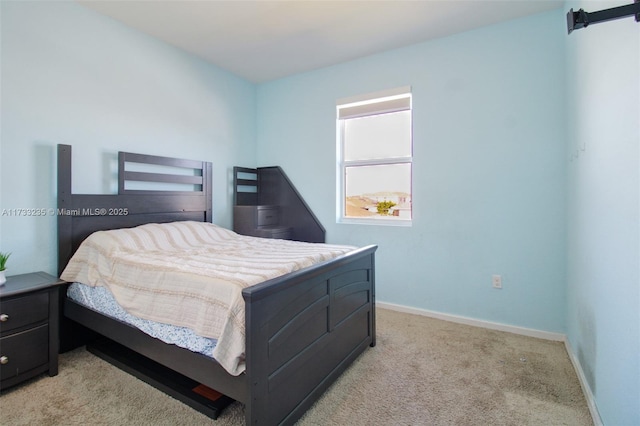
{"type": "Point", "coordinates": [79, 215]}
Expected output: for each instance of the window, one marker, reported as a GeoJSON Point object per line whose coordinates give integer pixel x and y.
{"type": "Point", "coordinates": [374, 158]}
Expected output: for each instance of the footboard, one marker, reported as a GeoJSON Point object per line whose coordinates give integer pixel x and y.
{"type": "Point", "coordinates": [303, 330]}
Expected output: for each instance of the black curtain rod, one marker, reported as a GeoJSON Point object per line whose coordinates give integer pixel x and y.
{"type": "Point", "coordinates": [581, 19]}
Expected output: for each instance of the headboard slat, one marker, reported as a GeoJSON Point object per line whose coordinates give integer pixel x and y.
{"type": "Point", "coordinates": [129, 157]}
{"type": "Point", "coordinates": [162, 178]}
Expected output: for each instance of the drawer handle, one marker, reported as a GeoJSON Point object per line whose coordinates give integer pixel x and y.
{"type": "Point", "coordinates": [4, 317]}
{"type": "Point", "coordinates": [4, 360]}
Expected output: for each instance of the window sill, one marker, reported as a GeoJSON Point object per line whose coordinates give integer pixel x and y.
{"type": "Point", "coordinates": [374, 221]}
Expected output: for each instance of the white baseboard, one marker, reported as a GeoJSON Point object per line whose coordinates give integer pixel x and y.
{"type": "Point", "coordinates": [547, 335]}
{"type": "Point", "coordinates": [586, 389]}
{"type": "Point", "coordinates": [558, 337]}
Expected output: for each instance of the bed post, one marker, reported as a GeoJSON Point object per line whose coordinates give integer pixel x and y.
{"type": "Point", "coordinates": [207, 189]}
{"type": "Point", "coordinates": [71, 335]}
{"type": "Point", "coordinates": [64, 197]}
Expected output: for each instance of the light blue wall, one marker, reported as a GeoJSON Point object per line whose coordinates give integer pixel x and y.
{"type": "Point", "coordinates": [72, 76]}
{"type": "Point", "coordinates": [603, 216]}
{"type": "Point", "coordinates": [489, 168]}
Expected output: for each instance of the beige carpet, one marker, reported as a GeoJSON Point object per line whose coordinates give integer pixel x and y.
{"type": "Point", "coordinates": [422, 372]}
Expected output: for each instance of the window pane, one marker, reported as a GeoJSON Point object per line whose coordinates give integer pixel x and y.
{"type": "Point", "coordinates": [368, 187]}
{"type": "Point", "coordinates": [378, 136]}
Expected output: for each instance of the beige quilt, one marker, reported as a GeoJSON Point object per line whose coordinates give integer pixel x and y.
{"type": "Point", "coordinates": [190, 274]}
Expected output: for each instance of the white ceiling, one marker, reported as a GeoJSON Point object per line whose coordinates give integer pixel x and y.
{"type": "Point", "coordinates": [265, 40]}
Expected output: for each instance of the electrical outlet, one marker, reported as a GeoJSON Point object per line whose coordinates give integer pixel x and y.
{"type": "Point", "coordinates": [496, 280]}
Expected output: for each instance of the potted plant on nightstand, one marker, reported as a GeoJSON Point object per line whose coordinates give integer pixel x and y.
{"type": "Point", "coordinates": [3, 266]}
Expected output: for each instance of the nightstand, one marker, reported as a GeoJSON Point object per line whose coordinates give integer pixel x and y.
{"type": "Point", "coordinates": [28, 327]}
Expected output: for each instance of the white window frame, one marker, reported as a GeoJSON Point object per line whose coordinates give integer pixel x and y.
{"type": "Point", "coordinates": [386, 101]}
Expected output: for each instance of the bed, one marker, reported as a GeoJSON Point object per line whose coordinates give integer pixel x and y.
{"type": "Point", "coordinates": [302, 329]}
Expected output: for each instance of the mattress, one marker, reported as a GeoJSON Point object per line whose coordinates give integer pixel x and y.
{"type": "Point", "coordinates": [101, 300]}
{"type": "Point", "coordinates": [190, 274]}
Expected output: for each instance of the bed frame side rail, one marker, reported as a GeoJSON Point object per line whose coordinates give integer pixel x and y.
{"type": "Point", "coordinates": [190, 364]}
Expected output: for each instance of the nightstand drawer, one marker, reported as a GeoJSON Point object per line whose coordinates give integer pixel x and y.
{"type": "Point", "coordinates": [22, 352]}
{"type": "Point", "coordinates": [22, 311]}
{"type": "Point", "coordinates": [267, 216]}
